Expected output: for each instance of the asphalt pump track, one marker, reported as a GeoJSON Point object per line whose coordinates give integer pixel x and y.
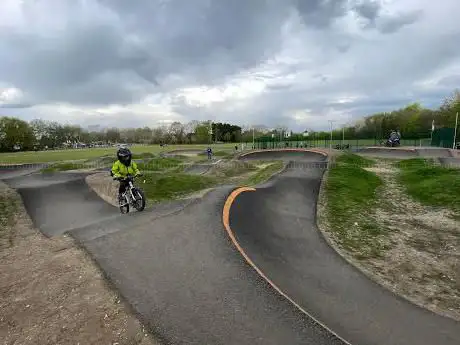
{"type": "Point", "coordinates": [237, 266]}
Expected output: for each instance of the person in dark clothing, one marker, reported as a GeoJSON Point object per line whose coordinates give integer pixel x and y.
{"type": "Point", "coordinates": [209, 151]}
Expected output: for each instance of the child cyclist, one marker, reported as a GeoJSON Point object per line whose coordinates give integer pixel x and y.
{"type": "Point", "coordinates": [123, 167]}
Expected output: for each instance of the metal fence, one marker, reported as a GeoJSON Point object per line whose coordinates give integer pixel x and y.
{"type": "Point", "coordinates": [326, 143]}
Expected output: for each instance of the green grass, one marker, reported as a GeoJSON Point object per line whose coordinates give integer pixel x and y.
{"type": "Point", "coordinates": [160, 164]}
{"type": "Point", "coordinates": [153, 164]}
{"type": "Point", "coordinates": [64, 167]}
{"type": "Point", "coordinates": [143, 155]}
{"type": "Point", "coordinates": [431, 184]}
{"type": "Point", "coordinates": [354, 160]}
{"type": "Point", "coordinates": [231, 168]}
{"type": "Point", "coordinates": [264, 173]}
{"type": "Point", "coordinates": [159, 187]}
{"type": "Point", "coordinates": [76, 154]}
{"type": "Point", "coordinates": [9, 204]}
{"type": "Point", "coordinates": [351, 195]}
{"type": "Point", "coordinates": [104, 160]}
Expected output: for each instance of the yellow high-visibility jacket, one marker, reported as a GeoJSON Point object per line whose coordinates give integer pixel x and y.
{"type": "Point", "coordinates": [121, 170]}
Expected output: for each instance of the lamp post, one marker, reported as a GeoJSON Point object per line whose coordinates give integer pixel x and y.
{"type": "Point", "coordinates": [455, 130]}
{"type": "Point", "coordinates": [330, 141]}
{"type": "Point", "coordinates": [210, 132]}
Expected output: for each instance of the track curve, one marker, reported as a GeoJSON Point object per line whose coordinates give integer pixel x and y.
{"type": "Point", "coordinates": [276, 227]}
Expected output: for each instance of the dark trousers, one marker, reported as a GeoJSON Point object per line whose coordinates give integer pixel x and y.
{"type": "Point", "coordinates": [122, 187]}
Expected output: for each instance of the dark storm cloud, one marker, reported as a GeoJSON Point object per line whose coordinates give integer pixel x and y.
{"type": "Point", "coordinates": [120, 51]}
{"type": "Point", "coordinates": [201, 40]}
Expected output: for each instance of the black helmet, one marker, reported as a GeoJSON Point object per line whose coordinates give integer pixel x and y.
{"type": "Point", "coordinates": [124, 155]}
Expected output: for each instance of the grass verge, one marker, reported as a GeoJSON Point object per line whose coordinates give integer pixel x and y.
{"type": "Point", "coordinates": [9, 204]}
{"type": "Point", "coordinates": [264, 173]}
{"type": "Point", "coordinates": [63, 167]}
{"type": "Point", "coordinates": [175, 184]}
{"type": "Point", "coordinates": [231, 168]}
{"type": "Point", "coordinates": [76, 154]}
{"type": "Point", "coordinates": [350, 192]}
{"type": "Point", "coordinates": [159, 187]}
{"type": "Point", "coordinates": [431, 184]}
{"type": "Point", "coordinates": [153, 164]}
{"type": "Point", "coordinates": [160, 164]}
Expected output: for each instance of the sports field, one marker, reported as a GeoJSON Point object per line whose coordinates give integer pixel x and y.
{"type": "Point", "coordinates": [80, 154]}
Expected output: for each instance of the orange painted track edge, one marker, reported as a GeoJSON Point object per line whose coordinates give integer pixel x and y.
{"type": "Point", "coordinates": [226, 222]}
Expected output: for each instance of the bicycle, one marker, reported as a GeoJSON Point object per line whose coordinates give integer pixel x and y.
{"type": "Point", "coordinates": [133, 195]}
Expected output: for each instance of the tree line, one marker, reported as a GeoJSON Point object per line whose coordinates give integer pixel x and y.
{"type": "Point", "coordinates": [17, 134]}
{"type": "Point", "coordinates": [413, 121]}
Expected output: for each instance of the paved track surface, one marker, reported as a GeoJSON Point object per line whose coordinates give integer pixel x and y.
{"type": "Point", "coordinates": [59, 202]}
{"type": "Point", "coordinates": [405, 153]}
{"type": "Point", "coordinates": [14, 170]}
{"type": "Point", "coordinates": [452, 162]}
{"type": "Point", "coordinates": [433, 152]}
{"type": "Point", "coordinates": [189, 284]}
{"type": "Point", "coordinates": [276, 227]}
{"type": "Point", "coordinates": [179, 271]}
{"type": "Point", "coordinates": [198, 169]}
{"type": "Point", "coordinates": [185, 151]}
{"type": "Point", "coordinates": [387, 153]}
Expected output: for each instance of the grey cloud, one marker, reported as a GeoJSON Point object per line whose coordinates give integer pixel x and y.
{"type": "Point", "coordinates": [120, 51]}
{"type": "Point", "coordinates": [15, 105]}
{"type": "Point", "coordinates": [343, 47]}
{"type": "Point", "coordinates": [368, 9]}
{"type": "Point", "coordinates": [391, 24]}
{"type": "Point", "coordinates": [187, 36]}
{"type": "Point", "coordinates": [451, 81]}
{"type": "Point", "coordinates": [202, 41]}
{"type": "Point", "coordinates": [321, 13]}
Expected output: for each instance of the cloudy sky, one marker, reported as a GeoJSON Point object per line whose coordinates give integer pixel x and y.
{"type": "Point", "coordinates": [297, 63]}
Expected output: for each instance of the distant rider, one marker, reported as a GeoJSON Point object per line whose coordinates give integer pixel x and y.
{"type": "Point", "coordinates": [123, 167]}
{"type": "Point", "coordinates": [209, 152]}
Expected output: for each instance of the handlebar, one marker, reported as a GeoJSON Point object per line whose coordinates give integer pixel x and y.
{"type": "Point", "coordinates": [129, 177]}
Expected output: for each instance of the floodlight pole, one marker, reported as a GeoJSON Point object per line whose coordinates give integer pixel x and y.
{"type": "Point", "coordinates": [330, 141]}
{"type": "Point", "coordinates": [455, 130]}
